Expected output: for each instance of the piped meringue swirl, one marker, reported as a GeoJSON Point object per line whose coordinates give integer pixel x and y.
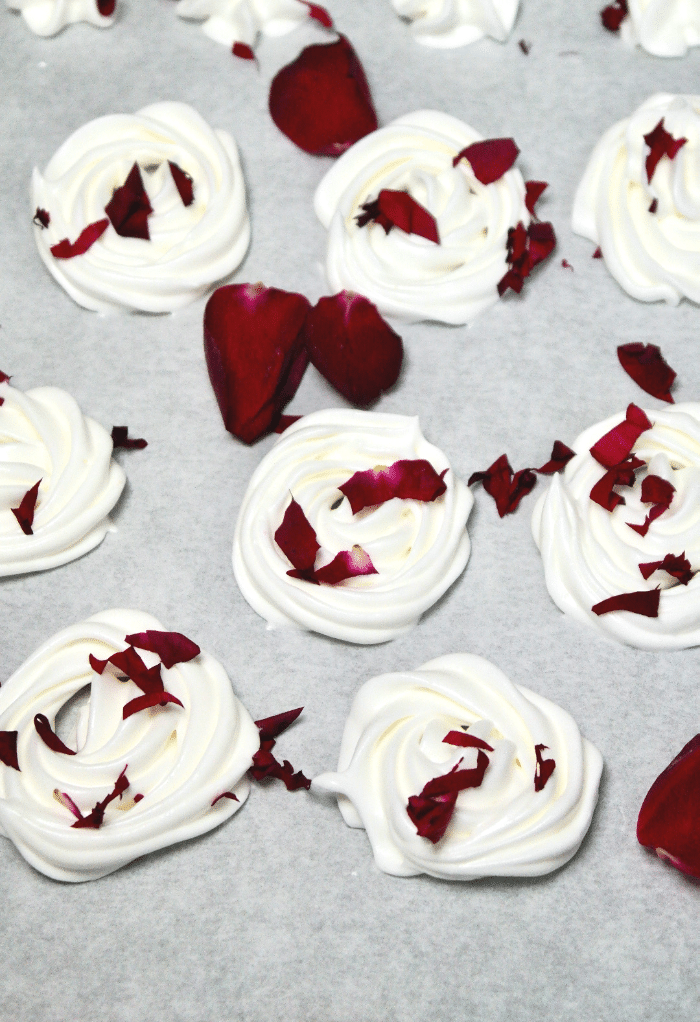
{"type": "Point", "coordinates": [191, 247]}
{"type": "Point", "coordinates": [407, 276]}
{"type": "Point", "coordinates": [666, 28]}
{"type": "Point", "coordinates": [449, 23]}
{"type": "Point", "coordinates": [179, 759]}
{"type": "Point", "coordinates": [648, 231]}
{"type": "Point", "coordinates": [240, 21]}
{"type": "Point", "coordinates": [590, 554]}
{"type": "Point", "coordinates": [44, 436]}
{"type": "Point", "coordinates": [48, 17]}
{"type": "Point", "coordinates": [393, 745]}
{"type": "Point", "coordinates": [418, 548]}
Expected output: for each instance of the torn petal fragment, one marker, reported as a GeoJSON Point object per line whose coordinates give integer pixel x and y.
{"type": "Point", "coordinates": [407, 479]}
{"type": "Point", "coordinates": [66, 249]}
{"type": "Point", "coordinates": [559, 459]}
{"type": "Point", "coordinates": [544, 768]}
{"type": "Point", "coordinates": [676, 565]}
{"type": "Point", "coordinates": [399, 209]}
{"type": "Point", "coordinates": [620, 475]}
{"type": "Point", "coordinates": [613, 15]}
{"type": "Point", "coordinates": [225, 794]}
{"type": "Point", "coordinates": [172, 647]}
{"type": "Point", "coordinates": [147, 701]}
{"type": "Point", "coordinates": [243, 51]}
{"type": "Point", "coordinates": [466, 741]}
{"type": "Point", "coordinates": [645, 603]}
{"type": "Point", "coordinates": [431, 811]}
{"type": "Point", "coordinates": [296, 538]}
{"type": "Point", "coordinates": [25, 512]}
{"type": "Point", "coordinates": [183, 183]}
{"type": "Point", "coordinates": [285, 422]}
{"type": "Point", "coordinates": [41, 218]}
{"type": "Point", "coordinates": [8, 749]}
{"type": "Point", "coordinates": [129, 207]}
{"type": "Point", "coordinates": [648, 368]}
{"type": "Point", "coordinates": [661, 143]}
{"type": "Point", "coordinates": [615, 446]}
{"type": "Point", "coordinates": [319, 14]}
{"type": "Point", "coordinates": [533, 191]}
{"type": "Point", "coordinates": [489, 159]}
{"type": "Point", "coordinates": [49, 737]}
{"type": "Point", "coordinates": [120, 438]}
{"type": "Point", "coordinates": [346, 564]}
{"type": "Point", "coordinates": [273, 727]}
{"type": "Point", "coordinates": [506, 488]}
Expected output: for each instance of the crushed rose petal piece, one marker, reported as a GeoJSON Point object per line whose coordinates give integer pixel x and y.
{"type": "Point", "coordinates": [319, 14]}
{"type": "Point", "coordinates": [274, 726]}
{"type": "Point", "coordinates": [321, 101]}
{"type": "Point", "coordinates": [25, 512]}
{"type": "Point", "coordinates": [598, 254]}
{"type": "Point", "coordinates": [669, 822]}
{"type": "Point", "coordinates": [620, 475]}
{"type": "Point", "coordinates": [506, 488]}
{"type": "Point", "coordinates": [616, 445]}
{"type": "Point", "coordinates": [265, 764]}
{"type": "Point", "coordinates": [466, 741]}
{"type": "Point", "coordinates": [172, 647]}
{"type": "Point", "coordinates": [243, 51]}
{"type": "Point", "coordinates": [613, 15]}
{"type": "Point", "coordinates": [95, 818]}
{"type": "Point", "coordinates": [533, 191]}
{"type": "Point", "coordinates": [399, 209]}
{"type": "Point", "coordinates": [106, 7]}
{"type": "Point", "coordinates": [183, 183]}
{"type": "Point", "coordinates": [41, 218]}
{"type": "Point", "coordinates": [489, 159]}
{"type": "Point", "coordinates": [648, 368]}
{"type": "Point", "coordinates": [660, 143]}
{"type": "Point", "coordinates": [560, 457]}
{"type": "Point", "coordinates": [431, 811]}
{"type": "Point", "coordinates": [129, 207]}
{"type": "Point", "coordinates": [49, 736]}
{"type": "Point", "coordinates": [120, 438]}
{"type": "Point", "coordinates": [676, 565]}
{"type": "Point", "coordinates": [407, 479]}
{"type": "Point", "coordinates": [66, 249]}
{"type": "Point", "coordinates": [656, 491]}
{"type": "Point", "coordinates": [654, 205]}
{"type": "Point", "coordinates": [525, 250]}
{"type": "Point", "coordinates": [8, 749]}
{"type": "Point", "coordinates": [645, 603]}
{"type": "Point", "coordinates": [346, 564]}
{"type": "Point", "coordinates": [225, 794]}
{"type": "Point", "coordinates": [286, 421]}
{"type": "Point", "coordinates": [566, 264]}
{"type": "Point", "coordinates": [544, 768]}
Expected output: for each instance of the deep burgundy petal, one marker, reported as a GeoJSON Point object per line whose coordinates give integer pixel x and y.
{"type": "Point", "coordinates": [243, 51]}
{"type": "Point", "coordinates": [399, 209]}
{"type": "Point", "coordinates": [533, 191]}
{"type": "Point", "coordinates": [106, 7]}
{"type": "Point", "coordinates": [296, 538]}
{"type": "Point", "coordinates": [41, 218]}
{"type": "Point", "coordinates": [409, 479]}
{"type": "Point", "coordinates": [129, 207]}
{"type": "Point", "coordinates": [128, 661]}
{"type": "Point", "coordinates": [172, 647]}
{"type": "Point", "coordinates": [225, 794]}
{"type": "Point", "coordinates": [669, 820]}
{"type": "Point", "coordinates": [648, 368]}
{"type": "Point", "coordinates": [66, 249]}
{"type": "Point", "coordinates": [458, 780]}
{"type": "Point", "coordinates": [286, 421]}
{"type": "Point", "coordinates": [25, 512]}
{"type": "Point", "coordinates": [183, 183]}
{"type": "Point", "coordinates": [660, 143]}
{"type": "Point", "coordinates": [620, 475]}
{"type": "Point", "coordinates": [560, 458]}
{"type": "Point", "coordinates": [346, 564]}
{"type": "Point", "coordinates": [273, 727]}
{"type": "Point", "coordinates": [144, 702]}
{"type": "Point", "coordinates": [120, 438]}
{"type": "Point", "coordinates": [506, 488]}
{"type": "Point", "coordinates": [645, 603]}
{"type": "Point", "coordinates": [49, 737]}
{"type": "Point", "coordinates": [613, 15]}
{"type": "Point", "coordinates": [466, 741]}
{"type": "Point", "coordinates": [676, 565]}
{"type": "Point", "coordinates": [8, 749]}
{"type": "Point", "coordinates": [544, 768]}
{"type": "Point", "coordinates": [431, 816]}
{"type": "Point", "coordinates": [615, 446]}
{"type": "Point", "coordinates": [319, 14]}
{"type": "Point", "coordinates": [489, 159]}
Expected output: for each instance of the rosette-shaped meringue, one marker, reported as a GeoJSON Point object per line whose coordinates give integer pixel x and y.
{"type": "Point", "coordinates": [240, 21]}
{"type": "Point", "coordinates": [510, 824]}
{"type": "Point", "coordinates": [189, 245]}
{"type": "Point", "coordinates": [47, 17]}
{"type": "Point", "coordinates": [418, 548]}
{"type": "Point", "coordinates": [666, 28]}
{"type": "Point", "coordinates": [591, 554]}
{"type": "Point", "coordinates": [449, 23]}
{"type": "Point", "coordinates": [177, 760]}
{"type": "Point", "coordinates": [46, 439]}
{"type": "Point", "coordinates": [406, 275]}
{"type": "Point", "coordinates": [647, 224]}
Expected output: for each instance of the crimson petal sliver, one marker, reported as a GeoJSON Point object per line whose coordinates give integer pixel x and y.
{"type": "Point", "coordinates": [648, 368]}
{"type": "Point", "coordinates": [297, 539]}
{"type": "Point", "coordinates": [147, 701]}
{"type": "Point", "coordinates": [645, 603]}
{"type": "Point", "coordinates": [66, 249]}
{"type": "Point", "coordinates": [414, 479]}
{"type": "Point", "coordinates": [346, 564]}
{"type": "Point", "coordinates": [172, 647]}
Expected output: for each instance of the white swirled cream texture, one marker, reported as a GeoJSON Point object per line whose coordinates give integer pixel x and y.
{"type": "Point", "coordinates": [666, 28]}
{"type": "Point", "coordinates": [590, 554]}
{"type": "Point", "coordinates": [47, 17]}
{"type": "Point", "coordinates": [393, 745]}
{"type": "Point", "coordinates": [407, 276]}
{"type": "Point", "coordinates": [44, 436]}
{"type": "Point", "coordinates": [448, 23]}
{"type": "Point", "coordinates": [190, 247]}
{"type": "Point", "coordinates": [648, 231]}
{"type": "Point", "coordinates": [418, 548]}
{"type": "Point", "coordinates": [179, 759]}
{"type": "Point", "coordinates": [240, 21]}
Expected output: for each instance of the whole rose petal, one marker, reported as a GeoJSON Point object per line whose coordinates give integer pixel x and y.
{"type": "Point", "coordinates": [253, 342]}
{"type": "Point", "coordinates": [669, 821]}
{"type": "Point", "coordinates": [648, 368]}
{"type": "Point", "coordinates": [321, 101]}
{"type": "Point", "coordinates": [353, 347]}
{"type": "Point", "coordinates": [489, 159]}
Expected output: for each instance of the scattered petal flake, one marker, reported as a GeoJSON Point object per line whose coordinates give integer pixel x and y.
{"type": "Point", "coordinates": [254, 347]}
{"type": "Point", "coordinates": [466, 741]}
{"type": "Point", "coordinates": [669, 821]}
{"type": "Point", "coordinates": [616, 445]}
{"type": "Point", "coordinates": [148, 679]}
{"type": "Point", "coordinates": [120, 438]}
{"type": "Point", "coordinates": [675, 565]}
{"type": "Point", "coordinates": [431, 811]}
{"type": "Point", "coordinates": [506, 488]}
{"type": "Point", "coordinates": [225, 794]}
{"type": "Point", "coordinates": [296, 538]}
{"type": "Point", "coordinates": [319, 14]}
{"type": "Point", "coordinates": [183, 183]}
{"type": "Point", "coordinates": [106, 7]}
{"type": "Point", "coordinates": [286, 421]}
{"type": "Point", "coordinates": [654, 205]}
{"type": "Point", "coordinates": [66, 249]}
{"type": "Point", "coordinates": [658, 492]}
{"type": "Point", "coordinates": [525, 46]}
{"type": "Point", "coordinates": [95, 818]}
{"type": "Point", "coordinates": [408, 479]}
{"type": "Point", "coordinates": [243, 51]}
{"type": "Point", "coordinates": [660, 143]}
{"type": "Point", "coordinates": [598, 254]}
{"type": "Point", "coordinates": [49, 737]}
{"type": "Point", "coordinates": [489, 159]}
{"type": "Point", "coordinates": [273, 727]}
{"type": "Point", "coordinates": [129, 207]}
{"type": "Point", "coordinates": [346, 564]}
{"type": "Point", "coordinates": [41, 218]}
{"type": "Point", "coordinates": [4, 378]}
{"type": "Point", "coordinates": [25, 512]}
{"type": "Point", "coordinates": [544, 769]}
{"type": "Point", "coordinates": [321, 101]}
{"type": "Point", "coordinates": [620, 475]}
{"type": "Point", "coordinates": [560, 457]}
{"type": "Point", "coordinates": [350, 344]}
{"type": "Point", "coordinates": [613, 15]}
{"type": "Point", "coordinates": [526, 248]}
{"type": "Point", "coordinates": [399, 209]}
{"type": "Point", "coordinates": [648, 368]}
{"type": "Point", "coordinates": [172, 647]}
{"type": "Point", "coordinates": [265, 764]}
{"type": "Point", "coordinates": [533, 193]}
{"type": "Point", "coordinates": [8, 749]}
{"type": "Point", "coordinates": [566, 264]}
{"type": "Point", "coordinates": [645, 603]}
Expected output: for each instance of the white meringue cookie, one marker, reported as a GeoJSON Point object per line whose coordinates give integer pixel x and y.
{"type": "Point", "coordinates": [418, 548]}
{"type": "Point", "coordinates": [179, 759]}
{"type": "Point", "coordinates": [666, 28]}
{"type": "Point", "coordinates": [393, 745]}
{"type": "Point", "coordinates": [406, 276]}
{"type": "Point", "coordinates": [44, 436]}
{"type": "Point", "coordinates": [240, 21]}
{"type": "Point", "coordinates": [654, 256]}
{"type": "Point", "coordinates": [449, 23]}
{"type": "Point", "coordinates": [47, 17]}
{"type": "Point", "coordinates": [590, 554]}
{"type": "Point", "coordinates": [190, 248]}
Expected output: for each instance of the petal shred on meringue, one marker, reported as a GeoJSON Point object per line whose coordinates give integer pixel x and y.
{"type": "Point", "coordinates": [172, 647]}
{"type": "Point", "coordinates": [66, 249]}
{"type": "Point", "coordinates": [489, 159]}
{"type": "Point", "coordinates": [407, 479]}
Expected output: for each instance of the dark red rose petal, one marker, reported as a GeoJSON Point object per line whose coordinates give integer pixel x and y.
{"type": "Point", "coordinates": [458, 780]}
{"type": "Point", "coordinates": [544, 768]}
{"type": "Point", "coordinates": [346, 564]}
{"type": "Point", "coordinates": [408, 479]}
{"type": "Point", "coordinates": [106, 7]}
{"type": "Point", "coordinates": [620, 475]}
{"type": "Point", "coordinates": [524, 250]}
{"type": "Point", "coordinates": [525, 47]}
{"type": "Point", "coordinates": [615, 446]}
{"type": "Point", "coordinates": [254, 347]}
{"type": "Point", "coordinates": [676, 565]}
{"type": "Point", "coordinates": [41, 218]}
{"type": "Point", "coordinates": [120, 438]}
{"type": "Point", "coordinates": [296, 538]}
{"type": "Point", "coordinates": [319, 14]}
{"type": "Point", "coordinates": [399, 209]}
{"type": "Point", "coordinates": [656, 491]}
{"type": "Point", "coordinates": [66, 249]}
{"type": "Point", "coordinates": [648, 368]}
{"type": "Point", "coordinates": [613, 15]}
{"type": "Point", "coordinates": [431, 811]}
{"type": "Point", "coordinates": [566, 264]}
{"type": "Point", "coordinates": [286, 421]}
{"type": "Point", "coordinates": [489, 159]}
{"type": "Point", "coordinates": [172, 647]}
{"type": "Point", "coordinates": [129, 207]}
{"type": "Point", "coordinates": [95, 818]}
{"type": "Point", "coordinates": [128, 661]}
{"type": "Point", "coordinates": [49, 737]}
{"type": "Point", "coordinates": [654, 205]}
{"type": "Point", "coordinates": [533, 191]}
{"type": "Point", "coordinates": [148, 700]}
{"type": "Point", "coordinates": [645, 603]}
{"type": "Point", "coordinates": [4, 378]}
{"type": "Point", "coordinates": [225, 794]}
{"type": "Point", "coordinates": [598, 254]}
{"type": "Point", "coordinates": [243, 51]}
{"type": "Point", "coordinates": [273, 727]}
{"type": "Point", "coordinates": [266, 765]}
{"type": "Point", "coordinates": [506, 488]}
{"type": "Point", "coordinates": [321, 101]}
{"type": "Point", "coordinates": [8, 749]}
{"type": "Point", "coordinates": [560, 458]}
{"type": "Point", "coordinates": [660, 143]}
{"type": "Point", "coordinates": [353, 347]}
{"type": "Point", "coordinates": [25, 512]}
{"type": "Point", "coordinates": [466, 741]}
{"type": "Point", "coordinates": [183, 183]}
{"type": "Point", "coordinates": [669, 820]}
